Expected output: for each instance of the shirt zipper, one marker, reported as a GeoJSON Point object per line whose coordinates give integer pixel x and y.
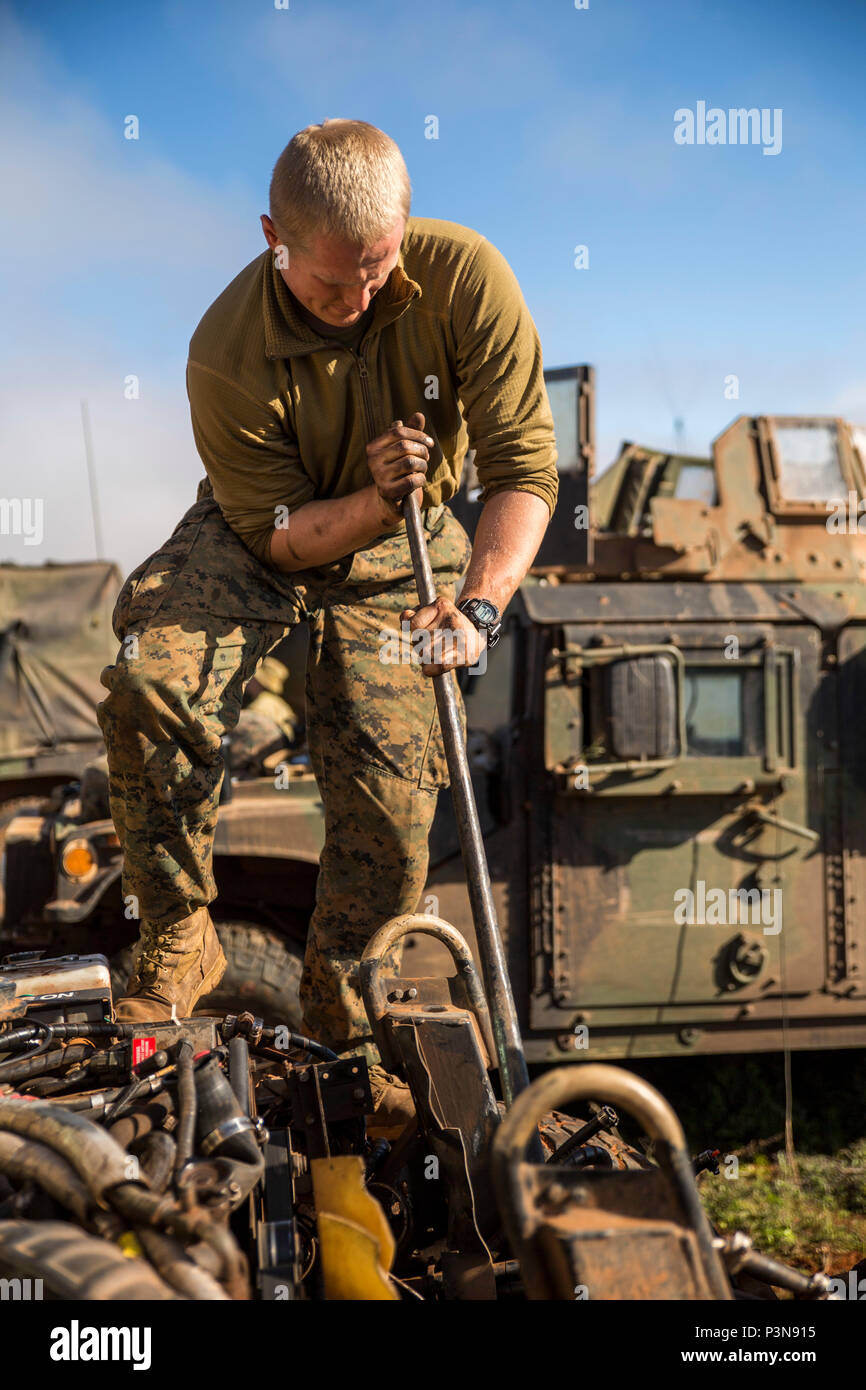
{"type": "Point", "coordinates": [365, 393]}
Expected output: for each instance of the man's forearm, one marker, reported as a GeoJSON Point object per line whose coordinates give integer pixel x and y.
{"type": "Point", "coordinates": [510, 530]}
{"type": "Point", "coordinates": [322, 531]}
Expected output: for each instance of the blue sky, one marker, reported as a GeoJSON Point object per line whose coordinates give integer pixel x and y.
{"type": "Point", "coordinates": [555, 129]}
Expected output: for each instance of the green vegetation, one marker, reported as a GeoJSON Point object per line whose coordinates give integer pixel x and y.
{"type": "Point", "coordinates": [812, 1216]}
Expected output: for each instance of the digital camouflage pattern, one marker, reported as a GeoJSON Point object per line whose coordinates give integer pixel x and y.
{"type": "Point", "coordinates": [194, 621]}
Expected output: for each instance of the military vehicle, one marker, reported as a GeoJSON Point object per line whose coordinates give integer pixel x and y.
{"type": "Point", "coordinates": [55, 637]}
{"type": "Point", "coordinates": [676, 835]}
{"type": "Point", "coordinates": [63, 860]}
{"type": "Point", "coordinates": [666, 755]}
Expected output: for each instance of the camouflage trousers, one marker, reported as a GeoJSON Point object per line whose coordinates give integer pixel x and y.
{"type": "Point", "coordinates": [193, 622]}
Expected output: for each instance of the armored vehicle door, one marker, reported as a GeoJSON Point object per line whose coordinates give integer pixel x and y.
{"type": "Point", "coordinates": [686, 733]}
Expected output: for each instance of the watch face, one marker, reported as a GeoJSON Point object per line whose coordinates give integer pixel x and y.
{"type": "Point", "coordinates": [485, 612]}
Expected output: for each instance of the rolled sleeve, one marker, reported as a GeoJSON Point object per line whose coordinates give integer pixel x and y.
{"type": "Point", "coordinates": [252, 460]}
{"type": "Point", "coordinates": [500, 381]}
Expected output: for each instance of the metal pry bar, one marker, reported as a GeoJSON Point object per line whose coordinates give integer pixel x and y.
{"type": "Point", "coordinates": [506, 1032]}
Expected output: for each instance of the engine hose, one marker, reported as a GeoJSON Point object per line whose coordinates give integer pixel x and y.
{"type": "Point", "coordinates": [96, 1064]}
{"type": "Point", "coordinates": [95, 1102]}
{"type": "Point", "coordinates": [142, 1207]}
{"type": "Point", "coordinates": [146, 1086]}
{"type": "Point", "coordinates": [98, 1160]}
{"type": "Point", "coordinates": [224, 1131]}
{"type": "Point", "coordinates": [104, 1168]}
{"type": "Point", "coordinates": [19, 1069]}
{"type": "Point", "coordinates": [239, 1071]}
{"type": "Point", "coordinates": [589, 1156]}
{"type": "Point", "coordinates": [172, 1263]}
{"type": "Point", "coordinates": [379, 1152]}
{"type": "Point", "coordinates": [186, 1105]}
{"type": "Point", "coordinates": [157, 1158]}
{"type": "Point", "coordinates": [301, 1044]}
{"type": "Point", "coordinates": [222, 1128]}
{"type": "Point", "coordinates": [24, 1160]}
{"type": "Point", "coordinates": [25, 1037]}
{"type": "Point", "coordinates": [20, 1038]}
{"type": "Point", "coordinates": [142, 1120]}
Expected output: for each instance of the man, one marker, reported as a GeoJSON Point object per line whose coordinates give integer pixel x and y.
{"type": "Point", "coordinates": [300, 376]}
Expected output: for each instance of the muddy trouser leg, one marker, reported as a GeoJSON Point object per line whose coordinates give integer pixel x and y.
{"type": "Point", "coordinates": [377, 752]}
{"type": "Point", "coordinates": [174, 690]}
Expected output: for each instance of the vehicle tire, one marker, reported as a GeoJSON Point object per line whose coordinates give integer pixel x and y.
{"type": "Point", "coordinates": [263, 974]}
{"type": "Point", "coordinates": [74, 1266]}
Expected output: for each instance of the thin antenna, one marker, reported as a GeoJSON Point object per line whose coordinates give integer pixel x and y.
{"type": "Point", "coordinates": [91, 478]}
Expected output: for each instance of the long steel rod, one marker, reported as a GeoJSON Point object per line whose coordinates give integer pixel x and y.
{"type": "Point", "coordinates": [494, 968]}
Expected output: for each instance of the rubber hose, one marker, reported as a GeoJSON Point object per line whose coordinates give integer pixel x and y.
{"type": "Point", "coordinates": [19, 1069]}
{"type": "Point", "coordinates": [103, 1166]}
{"type": "Point", "coordinates": [25, 1160]}
{"type": "Point", "coordinates": [20, 1038]}
{"type": "Point", "coordinates": [76, 1078]}
{"type": "Point", "coordinates": [172, 1263]}
{"type": "Point", "coordinates": [217, 1103]}
{"type": "Point", "coordinates": [47, 1037]}
{"type": "Point", "coordinates": [98, 1160]}
{"type": "Point", "coordinates": [157, 1158]}
{"type": "Point", "coordinates": [187, 1105]}
{"type": "Point", "coordinates": [302, 1044]}
{"type": "Point", "coordinates": [239, 1072]}
{"type": "Point", "coordinates": [142, 1120]}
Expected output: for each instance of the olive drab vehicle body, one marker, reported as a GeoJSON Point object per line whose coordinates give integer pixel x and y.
{"type": "Point", "coordinates": [55, 637]}
{"type": "Point", "coordinates": [677, 824]}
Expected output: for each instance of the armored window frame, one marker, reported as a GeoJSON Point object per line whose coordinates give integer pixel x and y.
{"type": "Point", "coordinates": [772, 466]}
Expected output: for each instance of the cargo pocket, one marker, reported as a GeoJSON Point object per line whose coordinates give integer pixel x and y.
{"type": "Point", "coordinates": [434, 764]}
{"type": "Point", "coordinates": [151, 582]}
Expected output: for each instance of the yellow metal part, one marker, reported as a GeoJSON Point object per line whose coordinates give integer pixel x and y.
{"type": "Point", "coordinates": [355, 1239]}
{"type": "Point", "coordinates": [130, 1246]}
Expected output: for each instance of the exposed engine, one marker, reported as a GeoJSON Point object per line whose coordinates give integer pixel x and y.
{"type": "Point", "coordinates": [217, 1158]}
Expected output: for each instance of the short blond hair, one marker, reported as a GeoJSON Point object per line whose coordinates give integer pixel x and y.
{"type": "Point", "coordinates": [342, 178]}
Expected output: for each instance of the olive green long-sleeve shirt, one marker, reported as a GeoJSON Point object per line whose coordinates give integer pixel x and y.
{"type": "Point", "coordinates": [281, 416]}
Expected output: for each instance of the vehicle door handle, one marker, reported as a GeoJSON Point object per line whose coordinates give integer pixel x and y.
{"type": "Point", "coordinates": [767, 818]}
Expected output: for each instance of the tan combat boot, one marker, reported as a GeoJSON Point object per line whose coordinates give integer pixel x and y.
{"type": "Point", "coordinates": [174, 966]}
{"type": "Point", "coordinates": [393, 1107]}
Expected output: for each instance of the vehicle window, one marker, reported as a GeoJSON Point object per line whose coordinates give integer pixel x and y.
{"type": "Point", "coordinates": [696, 484]}
{"type": "Point", "coordinates": [724, 715]}
{"type": "Point", "coordinates": [562, 395]}
{"type": "Point", "coordinates": [809, 466]}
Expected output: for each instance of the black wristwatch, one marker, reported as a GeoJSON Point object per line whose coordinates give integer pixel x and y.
{"type": "Point", "coordinates": [486, 617]}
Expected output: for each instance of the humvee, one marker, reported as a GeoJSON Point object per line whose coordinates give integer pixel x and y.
{"type": "Point", "coordinates": [676, 831]}
{"type": "Point", "coordinates": [666, 753]}
{"type": "Point", "coordinates": [55, 637]}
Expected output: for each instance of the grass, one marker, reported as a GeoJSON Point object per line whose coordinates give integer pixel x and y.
{"type": "Point", "coordinates": [811, 1216]}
